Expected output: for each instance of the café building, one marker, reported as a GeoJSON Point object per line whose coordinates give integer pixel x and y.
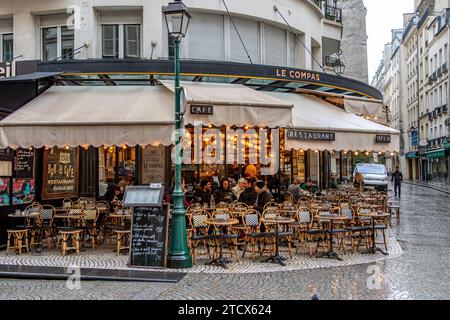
{"type": "Point", "coordinates": [71, 128]}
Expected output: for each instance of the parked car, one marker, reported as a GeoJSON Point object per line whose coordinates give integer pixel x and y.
{"type": "Point", "coordinates": [375, 175]}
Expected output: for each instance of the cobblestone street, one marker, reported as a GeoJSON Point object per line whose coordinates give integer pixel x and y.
{"type": "Point", "coordinates": [421, 272]}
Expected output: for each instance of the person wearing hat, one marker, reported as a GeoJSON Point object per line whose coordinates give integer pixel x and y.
{"type": "Point", "coordinates": [264, 196]}
{"type": "Point", "coordinates": [240, 187]}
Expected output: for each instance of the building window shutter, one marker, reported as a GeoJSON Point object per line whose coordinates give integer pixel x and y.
{"type": "Point", "coordinates": [249, 31]}
{"type": "Point", "coordinates": [132, 41]}
{"type": "Point", "coordinates": [110, 41]}
{"type": "Point", "coordinates": [275, 46]}
{"type": "Point", "coordinates": [206, 45]}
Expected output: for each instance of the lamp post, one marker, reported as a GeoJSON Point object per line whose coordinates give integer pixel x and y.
{"type": "Point", "coordinates": [177, 20]}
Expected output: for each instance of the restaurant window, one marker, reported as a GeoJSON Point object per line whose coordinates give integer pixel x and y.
{"type": "Point", "coordinates": [117, 165]}
{"type": "Point", "coordinates": [298, 164]}
{"type": "Point", "coordinates": [6, 47]}
{"type": "Point", "coordinates": [121, 41]}
{"type": "Point", "coordinates": [57, 42]}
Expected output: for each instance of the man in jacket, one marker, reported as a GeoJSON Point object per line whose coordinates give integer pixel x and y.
{"type": "Point", "coordinates": [203, 194]}
{"type": "Point", "coordinates": [264, 196]}
{"type": "Point", "coordinates": [248, 196]}
{"type": "Point", "coordinates": [397, 179]}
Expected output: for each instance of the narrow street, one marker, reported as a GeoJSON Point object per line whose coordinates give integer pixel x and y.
{"type": "Point", "coordinates": [421, 272]}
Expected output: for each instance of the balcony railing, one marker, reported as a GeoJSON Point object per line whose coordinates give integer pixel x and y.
{"type": "Point", "coordinates": [444, 67]}
{"type": "Point", "coordinates": [333, 13]}
{"type": "Point", "coordinates": [332, 61]}
{"type": "Point", "coordinates": [317, 2]}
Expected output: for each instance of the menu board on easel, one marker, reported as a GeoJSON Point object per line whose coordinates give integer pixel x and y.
{"type": "Point", "coordinates": [60, 173]}
{"type": "Point", "coordinates": [23, 164]}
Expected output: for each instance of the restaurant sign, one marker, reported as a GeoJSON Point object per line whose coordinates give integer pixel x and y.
{"type": "Point", "coordinates": [202, 109]}
{"type": "Point", "coordinates": [310, 136]}
{"type": "Point", "coordinates": [383, 138]}
{"type": "Point", "coordinates": [298, 74]}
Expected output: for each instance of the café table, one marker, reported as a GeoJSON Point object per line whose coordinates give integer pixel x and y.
{"type": "Point", "coordinates": [330, 221]}
{"type": "Point", "coordinates": [25, 215]}
{"type": "Point", "coordinates": [277, 221]}
{"type": "Point", "coordinates": [375, 216]}
{"type": "Point", "coordinates": [221, 224]}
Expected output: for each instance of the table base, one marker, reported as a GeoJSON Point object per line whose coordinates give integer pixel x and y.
{"type": "Point", "coordinates": [330, 255]}
{"type": "Point", "coordinates": [277, 259]}
{"type": "Point", "coordinates": [374, 250]}
{"type": "Point", "coordinates": [221, 262]}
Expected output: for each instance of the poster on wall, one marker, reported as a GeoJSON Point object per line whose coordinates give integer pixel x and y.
{"type": "Point", "coordinates": [4, 192]}
{"type": "Point", "coordinates": [23, 191]}
{"type": "Point", "coordinates": [23, 164]}
{"type": "Point", "coordinates": [153, 167]}
{"type": "Point", "coordinates": [60, 173]}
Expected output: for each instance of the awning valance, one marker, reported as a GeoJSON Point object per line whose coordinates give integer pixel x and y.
{"type": "Point", "coordinates": [92, 115]}
{"type": "Point", "coordinates": [234, 104]}
{"type": "Point", "coordinates": [348, 131]}
{"type": "Point", "coordinates": [362, 106]}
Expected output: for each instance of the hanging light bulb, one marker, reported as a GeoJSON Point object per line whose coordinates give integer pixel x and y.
{"type": "Point", "coordinates": [367, 153]}
{"type": "Point", "coordinates": [356, 153]}
{"type": "Point", "coordinates": [67, 147]}
{"type": "Point", "coordinates": [30, 148]}
{"type": "Point", "coordinates": [124, 146]}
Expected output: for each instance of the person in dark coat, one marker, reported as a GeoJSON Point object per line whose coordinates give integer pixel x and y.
{"type": "Point", "coordinates": [397, 179]}
{"type": "Point", "coordinates": [248, 196]}
{"type": "Point", "coordinates": [264, 196]}
{"type": "Point", "coordinates": [203, 193]}
{"type": "Point", "coordinates": [224, 193]}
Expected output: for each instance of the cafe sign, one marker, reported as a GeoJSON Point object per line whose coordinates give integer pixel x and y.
{"type": "Point", "coordinates": [202, 109]}
{"type": "Point", "coordinates": [383, 138]}
{"type": "Point", "coordinates": [310, 136]}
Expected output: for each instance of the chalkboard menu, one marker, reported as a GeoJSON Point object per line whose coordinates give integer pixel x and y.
{"type": "Point", "coordinates": [60, 173]}
{"type": "Point", "coordinates": [149, 237]}
{"type": "Point", "coordinates": [24, 163]}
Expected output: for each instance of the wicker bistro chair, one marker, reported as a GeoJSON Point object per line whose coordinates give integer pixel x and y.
{"type": "Point", "coordinates": [365, 222]}
{"type": "Point", "coordinates": [33, 224]}
{"type": "Point", "coordinates": [254, 235]}
{"type": "Point", "coordinates": [230, 238]}
{"type": "Point", "coordinates": [271, 228]}
{"type": "Point", "coordinates": [200, 236]}
{"type": "Point", "coordinates": [304, 229]}
{"type": "Point", "coordinates": [354, 227]}
{"type": "Point", "coordinates": [89, 226]}
{"type": "Point", "coordinates": [48, 230]}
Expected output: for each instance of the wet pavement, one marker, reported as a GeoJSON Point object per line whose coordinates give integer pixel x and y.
{"type": "Point", "coordinates": [421, 272]}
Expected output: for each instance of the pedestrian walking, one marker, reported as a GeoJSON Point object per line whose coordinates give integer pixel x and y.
{"type": "Point", "coordinates": [397, 179]}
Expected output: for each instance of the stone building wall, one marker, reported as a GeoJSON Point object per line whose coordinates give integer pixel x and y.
{"type": "Point", "coordinates": [354, 39]}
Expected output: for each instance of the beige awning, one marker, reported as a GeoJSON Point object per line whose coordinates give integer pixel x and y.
{"type": "Point", "coordinates": [352, 132]}
{"type": "Point", "coordinates": [363, 106]}
{"type": "Point", "coordinates": [92, 115]}
{"type": "Point", "coordinates": [234, 104]}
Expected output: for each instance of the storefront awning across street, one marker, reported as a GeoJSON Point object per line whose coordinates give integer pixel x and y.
{"type": "Point", "coordinates": [440, 153]}
{"type": "Point", "coordinates": [318, 125]}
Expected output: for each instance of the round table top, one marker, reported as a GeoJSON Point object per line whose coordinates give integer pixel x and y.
{"type": "Point", "coordinates": [23, 214]}
{"type": "Point", "coordinates": [221, 222]}
{"type": "Point", "coordinates": [375, 215]}
{"type": "Point", "coordinates": [333, 217]}
{"type": "Point", "coordinates": [281, 220]}
{"type": "Point", "coordinates": [393, 205]}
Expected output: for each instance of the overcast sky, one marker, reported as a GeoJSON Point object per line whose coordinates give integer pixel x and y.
{"type": "Point", "coordinates": [382, 16]}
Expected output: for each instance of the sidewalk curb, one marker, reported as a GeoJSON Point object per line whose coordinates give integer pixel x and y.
{"type": "Point", "coordinates": [426, 186]}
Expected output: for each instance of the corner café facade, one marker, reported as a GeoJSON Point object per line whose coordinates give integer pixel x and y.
{"type": "Point", "coordinates": [70, 128]}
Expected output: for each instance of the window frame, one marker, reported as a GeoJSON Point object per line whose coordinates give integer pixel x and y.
{"type": "Point", "coordinates": [2, 53]}
{"type": "Point", "coordinates": [59, 53]}
{"type": "Point", "coordinates": [121, 45]}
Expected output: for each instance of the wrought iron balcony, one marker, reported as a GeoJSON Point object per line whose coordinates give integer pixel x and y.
{"type": "Point", "coordinates": [333, 13]}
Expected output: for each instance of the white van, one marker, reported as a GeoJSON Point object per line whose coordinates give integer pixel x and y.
{"type": "Point", "coordinates": [375, 175]}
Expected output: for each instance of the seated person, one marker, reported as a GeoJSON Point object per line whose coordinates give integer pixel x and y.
{"type": "Point", "coordinates": [203, 193]}
{"type": "Point", "coordinates": [224, 193]}
{"type": "Point", "coordinates": [264, 196]}
{"type": "Point", "coordinates": [309, 186]}
{"type": "Point", "coordinates": [248, 196]}
{"type": "Point", "coordinates": [295, 189]}
{"type": "Point", "coordinates": [334, 184]}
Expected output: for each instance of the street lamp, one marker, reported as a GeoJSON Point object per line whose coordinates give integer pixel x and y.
{"type": "Point", "coordinates": [177, 20]}
{"type": "Point", "coordinates": [339, 67]}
